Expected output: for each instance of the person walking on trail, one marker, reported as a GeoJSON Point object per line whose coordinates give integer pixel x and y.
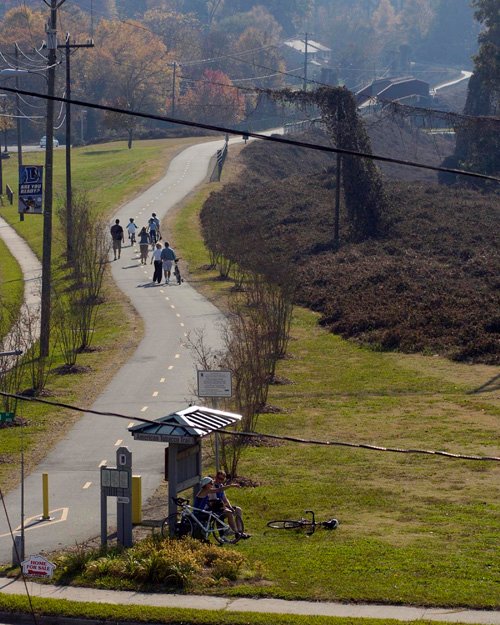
{"type": "Point", "coordinates": [131, 229]}
{"type": "Point", "coordinates": [156, 259]}
{"type": "Point", "coordinates": [167, 257]}
{"type": "Point", "coordinates": [117, 236]}
{"type": "Point", "coordinates": [144, 245]}
{"type": "Point", "coordinates": [157, 222]}
{"type": "Point", "coordinates": [153, 232]}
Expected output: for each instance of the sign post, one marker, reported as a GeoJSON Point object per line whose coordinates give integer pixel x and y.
{"type": "Point", "coordinates": [117, 482]}
{"type": "Point", "coordinates": [215, 384]}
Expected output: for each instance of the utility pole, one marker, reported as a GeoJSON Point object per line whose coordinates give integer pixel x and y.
{"type": "Point", "coordinates": [336, 221]}
{"type": "Point", "coordinates": [48, 195]}
{"type": "Point", "coordinates": [173, 87]}
{"type": "Point", "coordinates": [306, 41]}
{"type": "Point", "coordinates": [18, 117]}
{"type": "Point", "coordinates": [69, 191]}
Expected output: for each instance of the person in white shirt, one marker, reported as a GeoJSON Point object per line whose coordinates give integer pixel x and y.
{"type": "Point", "coordinates": [131, 229]}
{"type": "Point", "coordinates": [156, 259]}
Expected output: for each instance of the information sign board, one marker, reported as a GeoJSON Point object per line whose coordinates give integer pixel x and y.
{"type": "Point", "coordinates": [30, 189]}
{"type": "Point", "coordinates": [214, 384]}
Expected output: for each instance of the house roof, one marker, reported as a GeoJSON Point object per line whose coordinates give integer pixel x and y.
{"type": "Point", "coordinates": [312, 46]}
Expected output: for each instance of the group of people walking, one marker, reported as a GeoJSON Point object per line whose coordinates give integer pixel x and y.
{"type": "Point", "coordinates": [148, 235]}
{"type": "Point", "coordinates": [163, 258]}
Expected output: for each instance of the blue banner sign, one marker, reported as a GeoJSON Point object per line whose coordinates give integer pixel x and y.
{"type": "Point", "coordinates": [30, 189]}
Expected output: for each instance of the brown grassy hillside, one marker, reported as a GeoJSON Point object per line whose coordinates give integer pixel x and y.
{"type": "Point", "coordinates": [429, 283]}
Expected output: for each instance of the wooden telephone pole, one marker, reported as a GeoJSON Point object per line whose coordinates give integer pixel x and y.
{"type": "Point", "coordinates": [48, 194]}
{"type": "Point", "coordinates": [69, 191]}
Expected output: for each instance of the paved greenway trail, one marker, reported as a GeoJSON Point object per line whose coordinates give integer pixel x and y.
{"type": "Point", "coordinates": [158, 379]}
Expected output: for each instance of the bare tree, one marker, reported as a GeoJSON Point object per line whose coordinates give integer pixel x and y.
{"type": "Point", "coordinates": [12, 367]}
{"type": "Point", "coordinates": [38, 367]}
{"type": "Point", "coordinates": [66, 317]}
{"type": "Point", "coordinates": [93, 260]}
{"type": "Point", "coordinates": [90, 256]}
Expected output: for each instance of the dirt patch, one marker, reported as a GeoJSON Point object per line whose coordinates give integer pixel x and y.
{"type": "Point", "coordinates": [427, 284]}
{"type": "Point", "coordinates": [71, 369]}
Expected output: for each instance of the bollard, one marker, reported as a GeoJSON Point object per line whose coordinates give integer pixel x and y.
{"type": "Point", "coordinates": [136, 500]}
{"type": "Point", "coordinates": [17, 550]}
{"type": "Point", "coordinates": [45, 495]}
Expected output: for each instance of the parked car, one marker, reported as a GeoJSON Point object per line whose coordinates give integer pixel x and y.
{"type": "Point", "coordinates": [5, 154]}
{"type": "Point", "coordinates": [43, 142]}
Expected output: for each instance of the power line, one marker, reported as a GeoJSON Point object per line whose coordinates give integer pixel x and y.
{"type": "Point", "coordinates": [255, 135]}
{"type": "Point", "coordinates": [292, 439]}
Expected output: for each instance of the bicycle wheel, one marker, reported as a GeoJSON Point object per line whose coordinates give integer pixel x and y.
{"type": "Point", "coordinates": [222, 533]}
{"type": "Point", "coordinates": [286, 524]}
{"type": "Point", "coordinates": [181, 526]}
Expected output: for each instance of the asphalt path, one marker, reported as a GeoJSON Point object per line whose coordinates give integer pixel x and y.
{"type": "Point", "coordinates": [157, 380]}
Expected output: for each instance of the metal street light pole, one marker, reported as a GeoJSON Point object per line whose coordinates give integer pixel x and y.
{"type": "Point", "coordinates": [18, 550]}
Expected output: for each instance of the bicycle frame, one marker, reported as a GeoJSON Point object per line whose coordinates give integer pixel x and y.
{"type": "Point", "coordinates": [309, 525]}
{"type": "Point", "coordinates": [189, 511]}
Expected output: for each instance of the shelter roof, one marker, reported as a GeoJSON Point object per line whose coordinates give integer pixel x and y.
{"type": "Point", "coordinates": [192, 423]}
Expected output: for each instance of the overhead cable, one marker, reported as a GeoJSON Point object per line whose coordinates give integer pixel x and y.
{"type": "Point", "coordinates": [254, 135]}
{"type": "Point", "coordinates": [292, 439]}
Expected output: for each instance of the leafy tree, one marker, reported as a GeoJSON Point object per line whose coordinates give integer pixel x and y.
{"type": "Point", "coordinates": [205, 10]}
{"type": "Point", "coordinates": [179, 32]}
{"type": "Point", "coordinates": [213, 99]}
{"type": "Point", "coordinates": [365, 198]}
{"type": "Point", "coordinates": [7, 122]}
{"type": "Point", "coordinates": [450, 35]}
{"type": "Point", "coordinates": [478, 143]}
{"type": "Point", "coordinates": [129, 68]}
{"type": "Point", "coordinates": [289, 13]}
{"type": "Point", "coordinates": [24, 26]}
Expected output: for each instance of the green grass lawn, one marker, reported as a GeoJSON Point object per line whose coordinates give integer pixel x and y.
{"type": "Point", "coordinates": [146, 614]}
{"type": "Point", "coordinates": [415, 529]}
{"type": "Point", "coordinates": [11, 285]}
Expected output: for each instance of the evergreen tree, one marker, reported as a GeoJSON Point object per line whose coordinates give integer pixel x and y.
{"type": "Point", "coordinates": [478, 141]}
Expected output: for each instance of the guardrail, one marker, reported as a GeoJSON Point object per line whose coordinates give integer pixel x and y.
{"type": "Point", "coordinates": [10, 194]}
{"type": "Point", "coordinates": [221, 158]}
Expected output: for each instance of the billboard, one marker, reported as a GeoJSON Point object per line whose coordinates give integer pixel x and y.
{"type": "Point", "coordinates": [30, 189]}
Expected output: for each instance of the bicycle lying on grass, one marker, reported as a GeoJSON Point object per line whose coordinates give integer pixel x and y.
{"type": "Point", "coordinates": [198, 523]}
{"type": "Point", "coordinates": [309, 525]}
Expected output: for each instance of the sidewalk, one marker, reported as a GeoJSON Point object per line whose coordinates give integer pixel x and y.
{"type": "Point", "coordinates": [270, 606]}
{"type": "Point", "coordinates": [30, 267]}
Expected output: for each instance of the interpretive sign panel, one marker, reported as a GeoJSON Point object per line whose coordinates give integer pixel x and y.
{"type": "Point", "coordinates": [214, 384]}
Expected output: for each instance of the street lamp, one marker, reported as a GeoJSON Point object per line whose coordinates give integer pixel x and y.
{"type": "Point", "coordinates": [18, 548]}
